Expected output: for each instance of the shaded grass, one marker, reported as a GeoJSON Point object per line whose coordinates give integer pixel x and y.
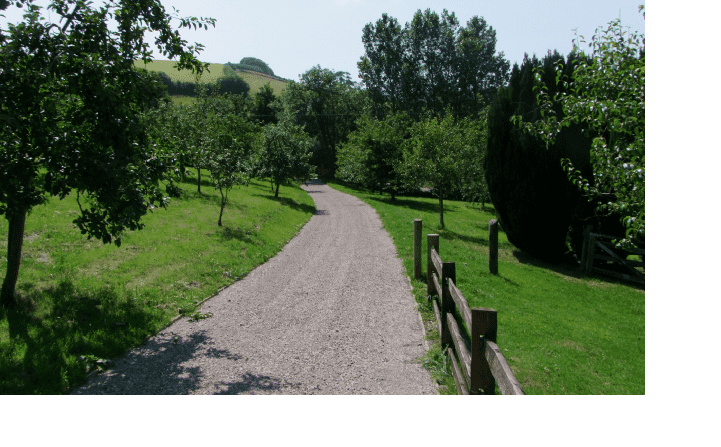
{"type": "Point", "coordinates": [81, 301]}
{"type": "Point", "coordinates": [562, 333]}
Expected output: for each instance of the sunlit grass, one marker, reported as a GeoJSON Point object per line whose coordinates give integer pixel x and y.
{"type": "Point", "coordinates": [561, 333]}
{"type": "Point", "coordinates": [81, 300]}
{"type": "Point", "coordinates": [254, 80]}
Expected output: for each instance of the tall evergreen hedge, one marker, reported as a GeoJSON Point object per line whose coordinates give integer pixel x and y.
{"type": "Point", "coordinates": [533, 197]}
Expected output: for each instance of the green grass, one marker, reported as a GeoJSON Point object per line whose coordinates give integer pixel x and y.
{"type": "Point", "coordinates": [81, 301]}
{"type": "Point", "coordinates": [254, 80]}
{"type": "Point", "coordinates": [561, 333]}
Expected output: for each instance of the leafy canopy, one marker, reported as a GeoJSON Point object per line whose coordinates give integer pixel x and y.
{"type": "Point", "coordinates": [69, 114]}
{"type": "Point", "coordinates": [432, 63]}
{"type": "Point", "coordinates": [607, 95]}
{"type": "Point", "coordinates": [284, 154]}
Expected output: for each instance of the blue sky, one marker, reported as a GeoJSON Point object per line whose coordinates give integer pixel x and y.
{"type": "Point", "coordinates": [292, 36]}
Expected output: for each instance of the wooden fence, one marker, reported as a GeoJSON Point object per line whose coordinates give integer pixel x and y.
{"type": "Point", "coordinates": [482, 364]}
{"type": "Point", "coordinates": [598, 246]}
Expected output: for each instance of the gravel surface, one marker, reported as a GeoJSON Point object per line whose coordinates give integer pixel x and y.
{"type": "Point", "coordinates": [331, 314]}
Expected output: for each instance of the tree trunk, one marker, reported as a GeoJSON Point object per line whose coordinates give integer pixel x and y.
{"type": "Point", "coordinates": [440, 203]}
{"type": "Point", "coordinates": [222, 206]}
{"type": "Point", "coordinates": [16, 232]}
{"type": "Point", "coordinates": [277, 188]}
{"type": "Point", "coordinates": [198, 180]}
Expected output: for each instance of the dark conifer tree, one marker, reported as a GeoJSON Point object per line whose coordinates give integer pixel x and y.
{"type": "Point", "coordinates": [535, 200]}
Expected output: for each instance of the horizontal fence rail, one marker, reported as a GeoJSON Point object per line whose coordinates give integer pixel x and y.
{"type": "Point", "coordinates": [478, 364]}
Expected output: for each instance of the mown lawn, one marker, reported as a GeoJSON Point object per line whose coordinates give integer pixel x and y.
{"type": "Point", "coordinates": [82, 302]}
{"type": "Point", "coordinates": [561, 333]}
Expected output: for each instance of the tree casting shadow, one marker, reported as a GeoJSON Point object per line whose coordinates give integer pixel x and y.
{"type": "Point", "coordinates": [288, 202]}
{"type": "Point", "coordinates": [52, 341]}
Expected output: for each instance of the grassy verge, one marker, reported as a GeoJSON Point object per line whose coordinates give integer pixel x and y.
{"type": "Point", "coordinates": [83, 302]}
{"type": "Point", "coordinates": [560, 332]}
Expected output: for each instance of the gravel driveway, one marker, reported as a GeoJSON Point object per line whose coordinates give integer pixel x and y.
{"type": "Point", "coordinates": [331, 314]}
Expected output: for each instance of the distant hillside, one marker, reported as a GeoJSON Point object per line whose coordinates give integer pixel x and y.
{"type": "Point", "coordinates": [254, 79]}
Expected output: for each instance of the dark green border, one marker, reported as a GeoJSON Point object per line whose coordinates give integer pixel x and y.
{"type": "Point", "coordinates": [685, 161]}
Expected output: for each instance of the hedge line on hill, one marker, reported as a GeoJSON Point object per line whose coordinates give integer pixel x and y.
{"type": "Point", "coordinates": [233, 85]}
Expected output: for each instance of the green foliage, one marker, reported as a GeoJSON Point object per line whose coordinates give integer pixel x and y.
{"type": "Point", "coordinates": [228, 142]}
{"type": "Point", "coordinates": [264, 112]}
{"type": "Point", "coordinates": [212, 133]}
{"type": "Point", "coordinates": [431, 64]}
{"type": "Point", "coordinates": [70, 100]}
{"type": "Point", "coordinates": [606, 94]}
{"type": "Point", "coordinates": [370, 155]}
{"type": "Point", "coordinates": [532, 195]}
{"type": "Point", "coordinates": [327, 105]}
{"type": "Point", "coordinates": [254, 64]}
{"type": "Point", "coordinates": [284, 154]}
{"type": "Point", "coordinates": [436, 155]}
{"type": "Point", "coordinates": [472, 186]}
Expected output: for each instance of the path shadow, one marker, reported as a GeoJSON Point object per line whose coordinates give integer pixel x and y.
{"type": "Point", "coordinates": [158, 367]}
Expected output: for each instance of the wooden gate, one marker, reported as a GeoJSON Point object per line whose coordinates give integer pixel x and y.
{"type": "Point", "coordinates": [599, 246]}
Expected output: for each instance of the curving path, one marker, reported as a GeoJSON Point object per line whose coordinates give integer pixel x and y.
{"type": "Point", "coordinates": [332, 313]}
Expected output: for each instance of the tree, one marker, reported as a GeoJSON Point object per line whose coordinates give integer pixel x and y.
{"type": "Point", "coordinates": [431, 64]}
{"type": "Point", "coordinates": [255, 64]}
{"type": "Point", "coordinates": [472, 186]}
{"type": "Point", "coordinates": [381, 66]}
{"type": "Point", "coordinates": [69, 117]}
{"type": "Point", "coordinates": [606, 93]}
{"type": "Point", "coordinates": [327, 105]}
{"type": "Point", "coordinates": [228, 140]}
{"type": "Point", "coordinates": [529, 190]}
{"type": "Point", "coordinates": [433, 156]}
{"type": "Point", "coordinates": [284, 154]}
{"type": "Point", "coordinates": [262, 109]}
{"type": "Point", "coordinates": [370, 155]}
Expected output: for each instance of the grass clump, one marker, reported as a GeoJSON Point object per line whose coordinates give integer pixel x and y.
{"type": "Point", "coordinates": [561, 332]}
{"type": "Point", "coordinates": [81, 302]}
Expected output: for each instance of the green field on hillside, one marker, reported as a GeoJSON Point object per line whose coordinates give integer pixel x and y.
{"type": "Point", "coordinates": [254, 80]}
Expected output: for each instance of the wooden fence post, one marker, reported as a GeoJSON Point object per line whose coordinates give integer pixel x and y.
{"type": "Point", "coordinates": [417, 235]}
{"type": "Point", "coordinates": [484, 323]}
{"type": "Point", "coordinates": [584, 247]}
{"type": "Point", "coordinates": [432, 243]}
{"type": "Point", "coordinates": [449, 272]}
{"type": "Point", "coordinates": [493, 246]}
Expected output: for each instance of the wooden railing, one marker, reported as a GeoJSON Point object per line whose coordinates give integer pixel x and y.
{"type": "Point", "coordinates": [598, 246]}
{"type": "Point", "coordinates": [482, 364]}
